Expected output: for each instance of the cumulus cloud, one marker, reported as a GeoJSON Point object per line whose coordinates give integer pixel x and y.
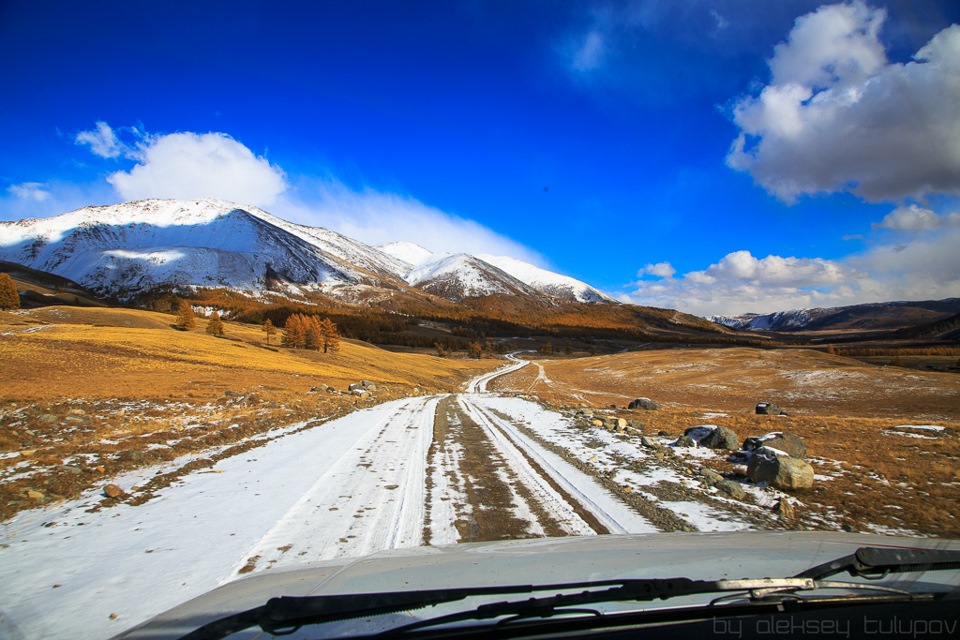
{"type": "Point", "coordinates": [376, 218]}
{"type": "Point", "coordinates": [741, 282]}
{"type": "Point", "coordinates": [191, 165]}
{"type": "Point", "coordinates": [837, 116]}
{"type": "Point", "coordinates": [660, 269]}
{"type": "Point", "coordinates": [913, 218]}
{"type": "Point", "coordinates": [32, 191]}
{"type": "Point", "coordinates": [925, 267]}
{"type": "Point", "coordinates": [102, 141]}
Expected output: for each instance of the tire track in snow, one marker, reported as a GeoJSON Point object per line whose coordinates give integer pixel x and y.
{"type": "Point", "coordinates": [372, 498]}
{"type": "Point", "coordinates": [567, 512]}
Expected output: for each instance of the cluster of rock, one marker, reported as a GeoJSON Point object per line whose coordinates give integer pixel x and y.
{"type": "Point", "coordinates": [776, 458]}
{"type": "Point", "coordinates": [361, 389]}
{"type": "Point", "coordinates": [608, 421]}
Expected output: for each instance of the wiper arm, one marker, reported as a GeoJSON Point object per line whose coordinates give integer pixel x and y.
{"type": "Point", "coordinates": [757, 589]}
{"type": "Point", "coordinates": [877, 562]}
{"type": "Point", "coordinates": [286, 614]}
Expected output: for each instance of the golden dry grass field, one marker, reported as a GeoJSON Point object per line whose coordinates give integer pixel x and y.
{"type": "Point", "coordinates": [89, 392]}
{"type": "Point", "coordinates": [851, 415]}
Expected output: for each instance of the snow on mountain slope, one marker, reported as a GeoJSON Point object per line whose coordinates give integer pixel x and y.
{"type": "Point", "coordinates": [413, 254]}
{"type": "Point", "coordinates": [461, 276]}
{"type": "Point", "coordinates": [547, 282]}
{"type": "Point", "coordinates": [124, 248]}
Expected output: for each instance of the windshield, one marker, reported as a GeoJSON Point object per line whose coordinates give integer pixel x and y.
{"type": "Point", "coordinates": [325, 299]}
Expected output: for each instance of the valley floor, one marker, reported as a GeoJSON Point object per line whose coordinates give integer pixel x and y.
{"type": "Point", "coordinates": [433, 469]}
{"type": "Point", "coordinates": [426, 470]}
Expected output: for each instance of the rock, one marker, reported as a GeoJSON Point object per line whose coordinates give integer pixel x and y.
{"type": "Point", "coordinates": [644, 403]}
{"type": "Point", "coordinates": [714, 437]}
{"type": "Point", "coordinates": [684, 441]}
{"type": "Point", "coordinates": [77, 412]}
{"type": "Point", "coordinates": [314, 389]}
{"type": "Point", "coordinates": [354, 387]}
{"type": "Point", "coordinates": [649, 443]}
{"type": "Point", "coordinates": [785, 510]}
{"type": "Point", "coordinates": [770, 409]}
{"type": "Point", "coordinates": [596, 423]}
{"type": "Point", "coordinates": [229, 393]}
{"type": "Point", "coordinates": [710, 477]}
{"type": "Point", "coordinates": [722, 438]}
{"type": "Point", "coordinates": [113, 491]}
{"type": "Point", "coordinates": [732, 489]}
{"type": "Point", "coordinates": [621, 423]}
{"type": "Point", "coordinates": [789, 443]}
{"type": "Point", "coordinates": [47, 418]}
{"type": "Point", "coordinates": [72, 469]}
{"type": "Point", "coordinates": [35, 495]}
{"type": "Point", "coordinates": [782, 472]}
{"type": "Point", "coordinates": [370, 387]}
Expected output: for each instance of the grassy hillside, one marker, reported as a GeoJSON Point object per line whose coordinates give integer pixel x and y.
{"type": "Point", "coordinates": [90, 392]}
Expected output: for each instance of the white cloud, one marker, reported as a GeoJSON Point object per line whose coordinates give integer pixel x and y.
{"type": "Point", "coordinates": [660, 269]}
{"type": "Point", "coordinates": [190, 165]}
{"type": "Point", "coordinates": [33, 191]}
{"type": "Point", "coordinates": [914, 218]}
{"type": "Point", "coordinates": [925, 267]}
{"type": "Point", "coordinates": [837, 116]}
{"type": "Point", "coordinates": [375, 218]}
{"type": "Point", "coordinates": [102, 141]}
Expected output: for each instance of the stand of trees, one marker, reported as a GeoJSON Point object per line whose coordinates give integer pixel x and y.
{"type": "Point", "coordinates": [310, 332]}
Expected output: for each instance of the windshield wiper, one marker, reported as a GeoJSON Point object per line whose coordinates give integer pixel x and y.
{"type": "Point", "coordinates": [287, 614]}
{"type": "Point", "coordinates": [877, 562]}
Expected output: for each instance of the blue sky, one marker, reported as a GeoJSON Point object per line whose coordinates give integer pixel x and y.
{"type": "Point", "coordinates": [715, 157]}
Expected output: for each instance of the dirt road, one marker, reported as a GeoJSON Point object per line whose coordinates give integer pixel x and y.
{"type": "Point", "coordinates": [424, 470]}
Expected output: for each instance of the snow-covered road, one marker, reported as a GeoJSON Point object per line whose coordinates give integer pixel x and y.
{"type": "Point", "coordinates": [435, 470]}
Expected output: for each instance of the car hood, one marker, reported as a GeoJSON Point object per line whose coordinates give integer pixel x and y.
{"type": "Point", "coordinates": [704, 556]}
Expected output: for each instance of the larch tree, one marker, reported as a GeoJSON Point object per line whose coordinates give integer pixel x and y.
{"type": "Point", "coordinates": [215, 325]}
{"type": "Point", "coordinates": [294, 333]}
{"type": "Point", "coordinates": [330, 336]}
{"type": "Point", "coordinates": [269, 329]}
{"type": "Point", "coordinates": [311, 333]}
{"type": "Point", "coordinates": [9, 296]}
{"type": "Point", "coordinates": [186, 320]}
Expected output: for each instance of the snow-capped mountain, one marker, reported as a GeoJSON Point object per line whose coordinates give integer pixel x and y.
{"type": "Point", "coordinates": [554, 285]}
{"type": "Point", "coordinates": [127, 249]}
{"type": "Point", "coordinates": [869, 316]}
{"type": "Point", "coordinates": [462, 276]}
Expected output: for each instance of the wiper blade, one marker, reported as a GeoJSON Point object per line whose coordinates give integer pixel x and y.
{"type": "Point", "coordinates": [756, 589]}
{"type": "Point", "coordinates": [877, 562]}
{"type": "Point", "coordinates": [286, 614]}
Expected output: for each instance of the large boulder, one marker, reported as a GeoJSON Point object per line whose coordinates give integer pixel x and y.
{"type": "Point", "coordinates": [644, 403]}
{"type": "Point", "coordinates": [770, 409]}
{"type": "Point", "coordinates": [783, 472]}
{"type": "Point", "coordinates": [714, 437]}
{"type": "Point", "coordinates": [789, 443]}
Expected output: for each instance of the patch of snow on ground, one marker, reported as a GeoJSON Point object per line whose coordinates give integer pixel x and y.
{"type": "Point", "coordinates": [702, 516]}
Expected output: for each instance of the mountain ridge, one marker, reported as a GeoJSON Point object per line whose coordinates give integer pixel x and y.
{"type": "Point", "coordinates": [120, 250]}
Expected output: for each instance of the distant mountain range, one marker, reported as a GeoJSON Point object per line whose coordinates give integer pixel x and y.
{"type": "Point", "coordinates": [124, 250]}
{"type": "Point", "coordinates": [882, 316]}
